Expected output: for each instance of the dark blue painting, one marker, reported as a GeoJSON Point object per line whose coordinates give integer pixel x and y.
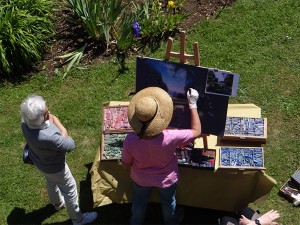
{"type": "Point", "coordinates": [176, 79]}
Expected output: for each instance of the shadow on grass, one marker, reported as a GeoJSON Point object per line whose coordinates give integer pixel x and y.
{"type": "Point", "coordinates": [18, 215]}
{"type": "Point", "coordinates": [112, 213]}
{"type": "Point", "coordinates": [120, 213]}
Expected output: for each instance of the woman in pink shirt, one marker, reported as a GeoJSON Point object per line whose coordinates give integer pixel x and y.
{"type": "Point", "coordinates": [150, 150]}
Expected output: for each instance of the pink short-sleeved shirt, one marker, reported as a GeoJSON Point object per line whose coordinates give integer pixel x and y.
{"type": "Point", "coordinates": [154, 161]}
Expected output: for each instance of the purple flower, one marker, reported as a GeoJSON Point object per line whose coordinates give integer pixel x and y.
{"type": "Point", "coordinates": [136, 28]}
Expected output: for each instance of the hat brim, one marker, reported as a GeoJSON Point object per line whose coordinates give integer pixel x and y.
{"type": "Point", "coordinates": [163, 116]}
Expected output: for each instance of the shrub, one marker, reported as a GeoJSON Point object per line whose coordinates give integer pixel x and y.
{"type": "Point", "coordinates": [100, 18]}
{"type": "Point", "coordinates": [112, 21]}
{"type": "Point", "coordinates": [159, 19]}
{"type": "Point", "coordinates": [25, 26]}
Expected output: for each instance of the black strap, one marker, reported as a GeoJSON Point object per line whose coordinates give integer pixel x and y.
{"type": "Point", "coordinates": [142, 131]}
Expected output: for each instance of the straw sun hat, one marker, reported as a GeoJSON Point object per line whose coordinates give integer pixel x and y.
{"type": "Point", "coordinates": [150, 111]}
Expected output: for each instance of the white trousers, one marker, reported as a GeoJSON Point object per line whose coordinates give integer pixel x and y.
{"type": "Point", "coordinates": [61, 187]}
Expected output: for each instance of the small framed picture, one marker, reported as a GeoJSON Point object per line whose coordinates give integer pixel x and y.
{"type": "Point", "coordinates": [222, 82]}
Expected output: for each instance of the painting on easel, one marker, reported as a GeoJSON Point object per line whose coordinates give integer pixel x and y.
{"type": "Point", "coordinates": [176, 79]}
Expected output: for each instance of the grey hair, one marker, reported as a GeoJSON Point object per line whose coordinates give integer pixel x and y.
{"type": "Point", "coordinates": [33, 109]}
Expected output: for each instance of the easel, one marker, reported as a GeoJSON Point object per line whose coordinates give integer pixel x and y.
{"type": "Point", "coordinates": [181, 55]}
{"type": "Point", "coordinates": [183, 58]}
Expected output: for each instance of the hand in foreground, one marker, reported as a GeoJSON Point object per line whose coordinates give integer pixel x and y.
{"type": "Point", "coordinates": [266, 219]}
{"type": "Point", "coordinates": [192, 97]}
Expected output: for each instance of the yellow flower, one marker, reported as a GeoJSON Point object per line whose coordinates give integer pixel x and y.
{"type": "Point", "coordinates": [171, 4]}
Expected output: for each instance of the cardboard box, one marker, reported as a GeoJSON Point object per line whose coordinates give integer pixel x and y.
{"type": "Point", "coordinates": [245, 129]}
{"type": "Point", "coordinates": [242, 158]}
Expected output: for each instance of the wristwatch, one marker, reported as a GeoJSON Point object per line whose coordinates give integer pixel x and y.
{"type": "Point", "coordinates": [257, 222]}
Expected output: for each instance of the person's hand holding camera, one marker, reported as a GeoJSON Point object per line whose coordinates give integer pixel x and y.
{"type": "Point", "coordinates": [192, 97]}
{"type": "Point", "coordinates": [266, 219]}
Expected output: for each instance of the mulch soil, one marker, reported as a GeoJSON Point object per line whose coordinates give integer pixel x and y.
{"type": "Point", "coordinates": [70, 36]}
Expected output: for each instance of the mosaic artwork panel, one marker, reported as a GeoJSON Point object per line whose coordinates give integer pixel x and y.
{"type": "Point", "coordinates": [241, 157]}
{"type": "Point", "coordinates": [196, 157]}
{"type": "Point", "coordinates": [245, 126]}
{"type": "Point", "coordinates": [113, 145]}
{"type": "Point", "coordinates": [115, 118]}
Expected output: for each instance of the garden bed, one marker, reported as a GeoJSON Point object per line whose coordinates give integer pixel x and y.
{"type": "Point", "coordinates": [71, 36]}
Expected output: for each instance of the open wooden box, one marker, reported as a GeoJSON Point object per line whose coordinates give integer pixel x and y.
{"type": "Point", "coordinates": [242, 158]}
{"type": "Point", "coordinates": [290, 190]}
{"type": "Point", "coordinates": [245, 129]}
{"type": "Point", "coordinates": [115, 127]}
{"type": "Point", "coordinates": [200, 158]}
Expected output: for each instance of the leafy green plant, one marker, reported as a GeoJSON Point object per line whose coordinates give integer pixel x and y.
{"type": "Point", "coordinates": [42, 8]}
{"type": "Point", "coordinates": [89, 15]}
{"type": "Point", "coordinates": [111, 21]}
{"type": "Point", "coordinates": [25, 27]}
{"type": "Point", "coordinates": [73, 59]}
{"type": "Point", "coordinates": [112, 15]}
{"type": "Point", "coordinates": [158, 19]}
{"type": "Point", "coordinates": [124, 39]}
{"type": "Point", "coordinates": [99, 18]}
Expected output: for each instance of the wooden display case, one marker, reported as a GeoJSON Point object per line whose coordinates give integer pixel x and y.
{"type": "Point", "coordinates": [242, 158]}
{"type": "Point", "coordinates": [245, 129]}
{"type": "Point", "coordinates": [291, 190]}
{"type": "Point", "coordinates": [200, 158]}
{"type": "Point", "coordinates": [115, 127]}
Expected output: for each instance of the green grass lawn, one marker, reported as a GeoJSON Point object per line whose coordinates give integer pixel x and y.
{"type": "Point", "coordinates": [260, 40]}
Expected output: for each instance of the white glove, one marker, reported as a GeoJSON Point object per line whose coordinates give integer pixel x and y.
{"type": "Point", "coordinates": [192, 97]}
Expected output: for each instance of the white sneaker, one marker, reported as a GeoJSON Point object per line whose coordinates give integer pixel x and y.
{"type": "Point", "coordinates": [88, 218]}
